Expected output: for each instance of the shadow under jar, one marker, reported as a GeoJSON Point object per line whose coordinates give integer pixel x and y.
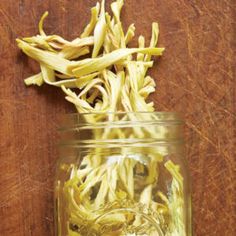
{"type": "Point", "coordinates": [122, 174]}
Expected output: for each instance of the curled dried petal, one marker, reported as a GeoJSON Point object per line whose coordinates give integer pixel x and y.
{"type": "Point", "coordinates": [41, 31]}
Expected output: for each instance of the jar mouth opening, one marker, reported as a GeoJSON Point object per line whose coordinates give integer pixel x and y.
{"type": "Point", "coordinates": [173, 114]}
{"type": "Point", "coordinates": [125, 112]}
{"type": "Point", "coordinates": [116, 119]}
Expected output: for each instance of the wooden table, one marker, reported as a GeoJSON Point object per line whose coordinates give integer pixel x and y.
{"type": "Point", "coordinates": [195, 77]}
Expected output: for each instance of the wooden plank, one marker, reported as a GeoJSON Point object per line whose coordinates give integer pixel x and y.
{"type": "Point", "coordinates": [195, 77]}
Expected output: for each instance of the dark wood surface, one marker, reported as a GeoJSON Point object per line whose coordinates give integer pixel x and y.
{"type": "Point", "coordinates": [195, 77]}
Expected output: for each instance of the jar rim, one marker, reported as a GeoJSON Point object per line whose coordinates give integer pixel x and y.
{"type": "Point", "coordinates": [71, 120]}
{"type": "Point", "coordinates": [145, 127]}
{"type": "Point", "coordinates": [174, 113]}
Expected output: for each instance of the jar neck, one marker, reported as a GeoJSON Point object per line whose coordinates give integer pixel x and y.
{"type": "Point", "coordinates": [134, 128]}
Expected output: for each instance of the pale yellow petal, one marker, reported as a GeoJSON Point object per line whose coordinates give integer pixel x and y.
{"type": "Point", "coordinates": [130, 34]}
{"type": "Point", "coordinates": [94, 17]}
{"type": "Point", "coordinates": [34, 80]}
{"type": "Point", "coordinates": [41, 31]}
{"type": "Point", "coordinates": [99, 31]}
{"type": "Point", "coordinates": [116, 9]}
{"type": "Point", "coordinates": [88, 66]}
{"type": "Point", "coordinates": [52, 60]}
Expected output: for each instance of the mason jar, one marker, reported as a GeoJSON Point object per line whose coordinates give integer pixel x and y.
{"type": "Point", "coordinates": [122, 174]}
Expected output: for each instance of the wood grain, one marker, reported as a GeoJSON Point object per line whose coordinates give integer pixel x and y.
{"type": "Point", "coordinates": [196, 77]}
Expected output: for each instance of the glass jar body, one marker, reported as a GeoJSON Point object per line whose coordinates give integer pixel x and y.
{"type": "Point", "coordinates": [123, 176]}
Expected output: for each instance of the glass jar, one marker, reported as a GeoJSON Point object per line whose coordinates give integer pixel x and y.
{"type": "Point", "coordinates": [122, 174]}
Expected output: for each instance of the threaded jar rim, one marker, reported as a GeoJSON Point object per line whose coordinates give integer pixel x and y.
{"type": "Point", "coordinates": [162, 128]}
{"type": "Point", "coordinates": [78, 120]}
